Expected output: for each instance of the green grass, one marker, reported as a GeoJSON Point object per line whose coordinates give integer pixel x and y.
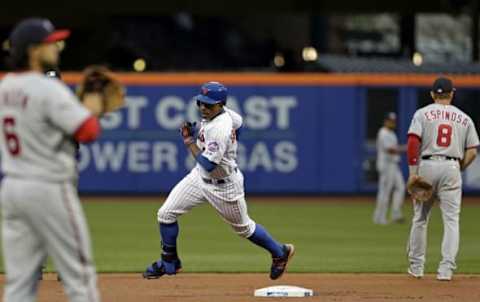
{"type": "Point", "coordinates": [329, 237]}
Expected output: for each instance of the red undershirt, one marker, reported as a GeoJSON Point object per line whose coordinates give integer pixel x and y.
{"type": "Point", "coordinates": [413, 149]}
{"type": "Point", "coordinates": [88, 131]}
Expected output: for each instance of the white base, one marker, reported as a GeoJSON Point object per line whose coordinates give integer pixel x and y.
{"type": "Point", "coordinates": [283, 291]}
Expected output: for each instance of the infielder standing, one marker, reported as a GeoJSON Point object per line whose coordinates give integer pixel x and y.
{"type": "Point", "coordinates": [40, 120]}
{"type": "Point", "coordinates": [390, 182]}
{"type": "Point", "coordinates": [215, 179]}
{"type": "Point", "coordinates": [442, 142]}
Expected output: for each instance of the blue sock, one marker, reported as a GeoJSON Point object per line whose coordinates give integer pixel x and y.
{"type": "Point", "coordinates": [169, 234]}
{"type": "Point", "coordinates": [262, 238]}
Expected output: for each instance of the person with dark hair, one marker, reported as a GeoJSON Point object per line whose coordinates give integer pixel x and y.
{"type": "Point", "coordinates": [41, 119]}
{"type": "Point", "coordinates": [442, 142]}
{"type": "Point", "coordinates": [216, 179]}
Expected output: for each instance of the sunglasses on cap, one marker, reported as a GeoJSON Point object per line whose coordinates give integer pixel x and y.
{"type": "Point", "coordinates": [208, 106]}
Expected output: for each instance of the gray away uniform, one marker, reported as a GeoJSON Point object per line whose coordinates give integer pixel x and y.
{"type": "Point", "coordinates": [41, 212]}
{"type": "Point", "coordinates": [390, 183]}
{"type": "Point", "coordinates": [445, 131]}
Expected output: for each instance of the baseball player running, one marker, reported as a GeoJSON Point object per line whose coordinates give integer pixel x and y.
{"type": "Point", "coordinates": [390, 181]}
{"type": "Point", "coordinates": [216, 179]}
{"type": "Point", "coordinates": [442, 142]}
{"type": "Point", "coordinates": [40, 120]}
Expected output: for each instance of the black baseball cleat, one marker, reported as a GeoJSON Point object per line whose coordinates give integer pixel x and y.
{"type": "Point", "coordinates": [162, 267]}
{"type": "Point", "coordinates": [279, 264]}
{"type": "Point", "coordinates": [40, 273]}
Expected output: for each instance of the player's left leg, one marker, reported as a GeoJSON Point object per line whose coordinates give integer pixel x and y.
{"type": "Point", "coordinates": [450, 197]}
{"type": "Point", "coordinates": [385, 187]}
{"type": "Point", "coordinates": [229, 201]}
{"type": "Point", "coordinates": [398, 196]}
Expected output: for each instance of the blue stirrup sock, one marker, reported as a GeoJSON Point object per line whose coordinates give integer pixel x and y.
{"type": "Point", "coordinates": [169, 234]}
{"type": "Point", "coordinates": [262, 238]}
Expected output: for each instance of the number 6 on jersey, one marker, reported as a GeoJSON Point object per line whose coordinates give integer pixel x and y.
{"type": "Point", "coordinates": [11, 138]}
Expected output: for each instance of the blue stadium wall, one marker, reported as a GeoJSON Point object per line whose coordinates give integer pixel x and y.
{"type": "Point", "coordinates": [294, 139]}
{"type": "Point", "coordinates": [300, 137]}
{"type": "Point", "coordinates": [302, 133]}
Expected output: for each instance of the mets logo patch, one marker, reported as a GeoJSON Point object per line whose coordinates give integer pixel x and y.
{"type": "Point", "coordinates": [212, 147]}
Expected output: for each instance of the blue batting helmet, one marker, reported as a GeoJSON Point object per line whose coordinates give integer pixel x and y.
{"type": "Point", "coordinates": [212, 93]}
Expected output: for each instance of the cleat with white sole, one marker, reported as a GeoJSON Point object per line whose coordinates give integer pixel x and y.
{"type": "Point", "coordinates": [415, 272]}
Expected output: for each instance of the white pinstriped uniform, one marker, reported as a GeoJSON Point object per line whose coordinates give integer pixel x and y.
{"type": "Point", "coordinates": [41, 212]}
{"type": "Point", "coordinates": [218, 141]}
{"type": "Point", "coordinates": [444, 131]}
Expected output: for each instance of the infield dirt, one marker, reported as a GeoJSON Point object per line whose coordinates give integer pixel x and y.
{"type": "Point", "coordinates": [240, 287]}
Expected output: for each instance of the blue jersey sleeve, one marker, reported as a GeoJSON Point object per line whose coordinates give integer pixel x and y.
{"type": "Point", "coordinates": [205, 163]}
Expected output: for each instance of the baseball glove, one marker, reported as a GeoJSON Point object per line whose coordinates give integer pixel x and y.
{"type": "Point", "coordinates": [420, 189]}
{"type": "Point", "coordinates": [187, 130]}
{"type": "Point", "coordinates": [99, 79]}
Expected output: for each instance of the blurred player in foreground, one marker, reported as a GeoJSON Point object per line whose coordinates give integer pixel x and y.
{"type": "Point", "coordinates": [215, 179]}
{"type": "Point", "coordinates": [442, 142]}
{"type": "Point", "coordinates": [55, 74]}
{"type": "Point", "coordinates": [41, 122]}
{"type": "Point", "coordinates": [390, 183]}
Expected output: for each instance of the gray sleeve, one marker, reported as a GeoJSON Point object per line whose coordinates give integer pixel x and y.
{"type": "Point", "coordinates": [379, 140]}
{"type": "Point", "coordinates": [389, 142]}
{"type": "Point", "coordinates": [416, 126]}
{"type": "Point", "coordinates": [472, 136]}
{"type": "Point", "coordinates": [63, 109]}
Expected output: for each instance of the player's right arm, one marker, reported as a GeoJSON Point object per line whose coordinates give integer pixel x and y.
{"type": "Point", "coordinates": [414, 143]}
{"type": "Point", "coordinates": [94, 103]}
{"type": "Point", "coordinates": [215, 146]}
{"type": "Point", "coordinates": [391, 146]}
{"type": "Point", "coordinates": [388, 144]}
{"type": "Point", "coordinates": [64, 110]}
{"type": "Point", "coordinates": [398, 149]}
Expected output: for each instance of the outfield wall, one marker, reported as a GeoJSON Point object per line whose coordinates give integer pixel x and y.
{"type": "Point", "coordinates": [303, 133]}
